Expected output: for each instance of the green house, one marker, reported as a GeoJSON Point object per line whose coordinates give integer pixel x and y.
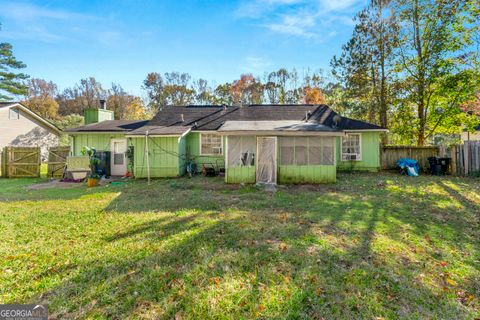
{"type": "Point", "coordinates": [250, 144]}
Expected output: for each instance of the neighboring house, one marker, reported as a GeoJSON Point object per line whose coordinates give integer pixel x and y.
{"type": "Point", "coordinates": [256, 143]}
{"type": "Point", "coordinates": [471, 136]}
{"type": "Point", "coordinates": [21, 127]}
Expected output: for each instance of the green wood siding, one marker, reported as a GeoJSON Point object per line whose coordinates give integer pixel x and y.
{"type": "Point", "coordinates": [193, 151]}
{"type": "Point", "coordinates": [370, 154]}
{"type": "Point", "coordinates": [99, 141]}
{"type": "Point", "coordinates": [93, 115]}
{"type": "Point", "coordinates": [164, 157]}
{"type": "Point", "coordinates": [307, 174]}
{"type": "Point", "coordinates": [240, 174]}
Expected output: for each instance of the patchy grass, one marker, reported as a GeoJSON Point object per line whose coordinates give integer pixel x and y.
{"type": "Point", "coordinates": [369, 246]}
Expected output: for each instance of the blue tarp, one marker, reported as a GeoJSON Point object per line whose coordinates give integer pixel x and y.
{"type": "Point", "coordinates": [410, 166]}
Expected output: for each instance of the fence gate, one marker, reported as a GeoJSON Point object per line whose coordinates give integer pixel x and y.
{"type": "Point", "coordinates": [57, 159]}
{"type": "Point", "coordinates": [21, 162]}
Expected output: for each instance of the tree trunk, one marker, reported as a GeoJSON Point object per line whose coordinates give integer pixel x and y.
{"type": "Point", "coordinates": [421, 128]}
{"type": "Point", "coordinates": [420, 78]}
{"type": "Point", "coordinates": [383, 78]}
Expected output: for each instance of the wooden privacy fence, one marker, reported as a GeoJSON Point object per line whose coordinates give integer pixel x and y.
{"type": "Point", "coordinates": [57, 159]}
{"type": "Point", "coordinates": [467, 158]}
{"type": "Point", "coordinates": [389, 155]}
{"type": "Point", "coordinates": [21, 162]}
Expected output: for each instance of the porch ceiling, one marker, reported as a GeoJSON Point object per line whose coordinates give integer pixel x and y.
{"type": "Point", "coordinates": [283, 127]}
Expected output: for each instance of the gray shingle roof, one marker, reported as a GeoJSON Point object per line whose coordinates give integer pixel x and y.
{"type": "Point", "coordinates": [213, 117]}
{"type": "Point", "coordinates": [178, 119]}
{"type": "Point", "coordinates": [110, 126]}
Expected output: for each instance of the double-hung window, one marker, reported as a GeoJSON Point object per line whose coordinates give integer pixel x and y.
{"type": "Point", "coordinates": [211, 144]}
{"type": "Point", "coordinates": [352, 147]}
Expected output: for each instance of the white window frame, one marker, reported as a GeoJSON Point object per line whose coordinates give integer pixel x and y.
{"type": "Point", "coordinates": [359, 155]}
{"type": "Point", "coordinates": [16, 111]}
{"type": "Point", "coordinates": [213, 154]}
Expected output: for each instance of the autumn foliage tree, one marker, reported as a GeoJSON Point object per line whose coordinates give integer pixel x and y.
{"type": "Point", "coordinates": [313, 95]}
{"type": "Point", "coordinates": [125, 106]}
{"type": "Point", "coordinates": [40, 98]}
{"type": "Point", "coordinates": [246, 90]}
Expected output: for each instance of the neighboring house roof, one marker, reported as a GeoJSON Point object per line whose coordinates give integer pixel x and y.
{"type": "Point", "coordinates": [33, 115]}
{"type": "Point", "coordinates": [177, 120]}
{"type": "Point", "coordinates": [110, 126]}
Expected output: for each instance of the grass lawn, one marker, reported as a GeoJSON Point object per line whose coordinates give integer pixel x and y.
{"type": "Point", "coordinates": [369, 247]}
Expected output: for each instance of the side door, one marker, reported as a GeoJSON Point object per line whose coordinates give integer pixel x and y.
{"type": "Point", "coordinates": [267, 160]}
{"type": "Point", "coordinates": [118, 161]}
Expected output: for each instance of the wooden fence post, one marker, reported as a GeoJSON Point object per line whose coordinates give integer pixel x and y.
{"type": "Point", "coordinates": [453, 156]}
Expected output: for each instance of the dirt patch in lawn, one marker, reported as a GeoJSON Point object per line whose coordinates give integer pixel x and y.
{"type": "Point", "coordinates": [53, 184]}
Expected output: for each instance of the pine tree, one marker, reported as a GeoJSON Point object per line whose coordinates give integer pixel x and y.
{"type": "Point", "coordinates": [11, 83]}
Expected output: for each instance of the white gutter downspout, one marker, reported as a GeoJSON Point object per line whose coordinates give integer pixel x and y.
{"type": "Point", "coordinates": [184, 134]}
{"type": "Point", "coordinates": [147, 154]}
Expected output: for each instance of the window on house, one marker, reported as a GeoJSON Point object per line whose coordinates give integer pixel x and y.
{"type": "Point", "coordinates": [302, 151]}
{"type": "Point", "coordinates": [211, 144]}
{"type": "Point", "coordinates": [13, 114]}
{"type": "Point", "coordinates": [351, 148]}
{"type": "Point", "coordinates": [241, 151]}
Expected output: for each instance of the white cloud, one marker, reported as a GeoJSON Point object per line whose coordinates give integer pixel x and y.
{"type": "Point", "coordinates": [332, 5]}
{"type": "Point", "coordinates": [257, 8]}
{"type": "Point", "coordinates": [28, 12]}
{"type": "Point", "coordinates": [300, 17]}
{"type": "Point", "coordinates": [296, 24]}
{"type": "Point", "coordinates": [256, 64]}
{"type": "Point", "coordinates": [41, 23]}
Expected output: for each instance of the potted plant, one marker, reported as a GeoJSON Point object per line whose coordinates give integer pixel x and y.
{"type": "Point", "coordinates": [94, 161]}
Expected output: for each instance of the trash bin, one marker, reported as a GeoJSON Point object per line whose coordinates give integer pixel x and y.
{"type": "Point", "coordinates": [445, 163]}
{"type": "Point", "coordinates": [439, 166]}
{"type": "Point", "coordinates": [103, 167]}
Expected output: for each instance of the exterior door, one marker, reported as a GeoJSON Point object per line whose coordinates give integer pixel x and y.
{"type": "Point", "coordinates": [267, 160]}
{"type": "Point", "coordinates": [118, 161]}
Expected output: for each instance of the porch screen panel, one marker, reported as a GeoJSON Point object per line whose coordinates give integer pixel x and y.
{"type": "Point", "coordinates": [241, 151]}
{"type": "Point", "coordinates": [301, 151]}
{"type": "Point", "coordinates": [287, 151]}
{"type": "Point", "coordinates": [328, 156]}
{"type": "Point", "coordinates": [315, 150]}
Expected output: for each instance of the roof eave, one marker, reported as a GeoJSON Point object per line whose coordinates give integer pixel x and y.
{"type": "Point", "coordinates": [363, 130]}
{"type": "Point", "coordinates": [282, 133]}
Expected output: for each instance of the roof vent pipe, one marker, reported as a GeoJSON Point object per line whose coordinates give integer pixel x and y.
{"type": "Point", "coordinates": [182, 119]}
{"type": "Point", "coordinates": [336, 120]}
{"type": "Point", "coordinates": [103, 104]}
{"type": "Point", "coordinates": [307, 115]}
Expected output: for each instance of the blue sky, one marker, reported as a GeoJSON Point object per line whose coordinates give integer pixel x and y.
{"type": "Point", "coordinates": [121, 41]}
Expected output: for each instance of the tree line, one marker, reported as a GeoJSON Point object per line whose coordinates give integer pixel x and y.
{"type": "Point", "coordinates": [411, 66]}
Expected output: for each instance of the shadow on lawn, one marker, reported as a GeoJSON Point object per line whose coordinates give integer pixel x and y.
{"type": "Point", "coordinates": [247, 253]}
